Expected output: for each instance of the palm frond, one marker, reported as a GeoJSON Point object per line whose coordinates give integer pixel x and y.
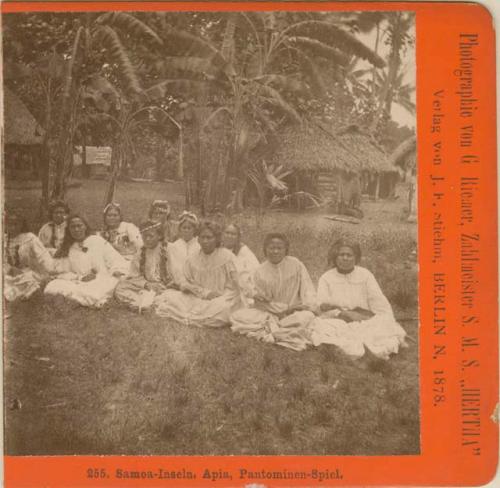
{"type": "Point", "coordinates": [274, 98]}
{"type": "Point", "coordinates": [111, 41]}
{"type": "Point", "coordinates": [68, 80]}
{"type": "Point", "coordinates": [312, 72]}
{"type": "Point", "coordinates": [130, 24]}
{"type": "Point", "coordinates": [191, 45]}
{"type": "Point", "coordinates": [335, 36]}
{"type": "Point", "coordinates": [321, 49]}
{"type": "Point", "coordinates": [227, 47]}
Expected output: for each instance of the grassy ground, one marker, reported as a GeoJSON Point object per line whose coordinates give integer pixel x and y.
{"type": "Point", "coordinates": [81, 381]}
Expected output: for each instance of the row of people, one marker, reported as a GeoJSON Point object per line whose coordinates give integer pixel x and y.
{"type": "Point", "coordinates": [197, 281]}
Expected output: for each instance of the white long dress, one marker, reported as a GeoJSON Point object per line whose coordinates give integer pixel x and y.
{"type": "Point", "coordinates": [283, 286]}
{"type": "Point", "coordinates": [52, 235]}
{"type": "Point", "coordinates": [126, 239]}
{"type": "Point", "coordinates": [132, 291]}
{"type": "Point", "coordinates": [178, 252]}
{"type": "Point", "coordinates": [204, 273]}
{"type": "Point", "coordinates": [381, 334]}
{"type": "Point", "coordinates": [93, 255]}
{"type": "Point", "coordinates": [246, 264]}
{"type": "Point", "coordinates": [26, 253]}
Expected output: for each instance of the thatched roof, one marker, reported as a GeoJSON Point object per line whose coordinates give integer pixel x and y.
{"type": "Point", "coordinates": [405, 153]}
{"type": "Point", "coordinates": [315, 147]}
{"type": "Point", "coordinates": [20, 127]}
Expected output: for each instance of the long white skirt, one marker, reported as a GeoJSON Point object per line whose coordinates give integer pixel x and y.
{"type": "Point", "coordinates": [21, 286]}
{"type": "Point", "coordinates": [131, 292]}
{"type": "Point", "coordinates": [382, 335]}
{"type": "Point", "coordinates": [191, 310]}
{"type": "Point", "coordinates": [291, 331]}
{"type": "Point", "coordinates": [94, 293]}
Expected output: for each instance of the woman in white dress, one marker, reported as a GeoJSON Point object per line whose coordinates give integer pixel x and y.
{"type": "Point", "coordinates": [123, 236]}
{"type": "Point", "coordinates": [246, 262]}
{"type": "Point", "coordinates": [183, 248]}
{"type": "Point", "coordinates": [89, 267]}
{"type": "Point", "coordinates": [355, 312]}
{"type": "Point", "coordinates": [284, 300]}
{"type": "Point", "coordinates": [210, 292]}
{"type": "Point", "coordinates": [149, 273]}
{"type": "Point", "coordinates": [52, 233]}
{"type": "Point", "coordinates": [28, 262]}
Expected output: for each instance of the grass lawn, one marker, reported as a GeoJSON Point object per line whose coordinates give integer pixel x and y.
{"type": "Point", "coordinates": [82, 381]}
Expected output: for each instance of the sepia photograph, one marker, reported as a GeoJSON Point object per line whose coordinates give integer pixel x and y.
{"type": "Point", "coordinates": [210, 233]}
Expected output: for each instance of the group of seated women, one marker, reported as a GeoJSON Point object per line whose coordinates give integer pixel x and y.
{"type": "Point", "coordinates": [200, 274]}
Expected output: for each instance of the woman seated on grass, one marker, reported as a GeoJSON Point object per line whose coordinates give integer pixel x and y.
{"type": "Point", "coordinates": [160, 211]}
{"type": "Point", "coordinates": [355, 312]}
{"type": "Point", "coordinates": [28, 262]}
{"type": "Point", "coordinates": [284, 299]}
{"type": "Point", "coordinates": [52, 233]}
{"type": "Point", "coordinates": [184, 247]}
{"type": "Point", "coordinates": [246, 262]}
{"type": "Point", "coordinates": [89, 266]}
{"type": "Point", "coordinates": [123, 236]}
{"type": "Point", "coordinates": [149, 274]}
{"type": "Point", "coordinates": [210, 291]}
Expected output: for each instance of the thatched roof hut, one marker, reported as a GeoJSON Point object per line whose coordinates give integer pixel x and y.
{"type": "Point", "coordinates": [314, 147]}
{"type": "Point", "coordinates": [20, 127]}
{"type": "Point", "coordinates": [404, 155]}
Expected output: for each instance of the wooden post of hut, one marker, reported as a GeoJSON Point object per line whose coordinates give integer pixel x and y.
{"type": "Point", "coordinates": [377, 187]}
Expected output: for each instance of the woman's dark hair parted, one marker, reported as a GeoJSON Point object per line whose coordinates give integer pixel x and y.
{"type": "Point", "coordinates": [334, 250]}
{"type": "Point", "coordinates": [68, 240]}
{"type": "Point", "coordinates": [276, 235]}
{"type": "Point", "coordinates": [213, 227]}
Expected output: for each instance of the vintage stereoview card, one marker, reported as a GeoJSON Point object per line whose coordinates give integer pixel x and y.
{"type": "Point", "coordinates": [249, 244]}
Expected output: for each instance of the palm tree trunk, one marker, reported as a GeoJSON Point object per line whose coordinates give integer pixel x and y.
{"type": "Point", "coordinates": [385, 100]}
{"type": "Point", "coordinates": [115, 169]}
{"type": "Point", "coordinates": [85, 168]}
{"type": "Point", "coordinates": [64, 136]}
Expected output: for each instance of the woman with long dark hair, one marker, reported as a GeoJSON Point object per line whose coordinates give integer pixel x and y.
{"type": "Point", "coordinates": [52, 233]}
{"type": "Point", "coordinates": [123, 236]}
{"type": "Point", "coordinates": [149, 272]}
{"type": "Point", "coordinates": [354, 311]}
{"type": "Point", "coordinates": [27, 262]}
{"type": "Point", "coordinates": [89, 266]}
{"type": "Point", "coordinates": [210, 291]}
{"type": "Point", "coordinates": [160, 211]}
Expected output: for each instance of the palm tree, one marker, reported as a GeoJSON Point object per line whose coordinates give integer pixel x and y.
{"type": "Point", "coordinates": [264, 65]}
{"type": "Point", "coordinates": [96, 41]}
{"type": "Point", "coordinates": [398, 38]}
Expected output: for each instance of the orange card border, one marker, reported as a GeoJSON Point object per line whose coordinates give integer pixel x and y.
{"type": "Point", "coordinates": [443, 459]}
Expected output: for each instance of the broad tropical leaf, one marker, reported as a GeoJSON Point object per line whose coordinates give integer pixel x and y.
{"type": "Point", "coordinates": [191, 44]}
{"type": "Point", "coordinates": [334, 35]}
{"type": "Point", "coordinates": [111, 40]}
{"type": "Point", "coordinates": [275, 98]}
{"type": "Point", "coordinates": [129, 24]}
{"type": "Point", "coordinates": [321, 49]}
{"type": "Point", "coordinates": [312, 73]}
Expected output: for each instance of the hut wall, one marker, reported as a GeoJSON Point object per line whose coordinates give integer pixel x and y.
{"type": "Point", "coordinates": [22, 162]}
{"type": "Point", "coordinates": [328, 185]}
